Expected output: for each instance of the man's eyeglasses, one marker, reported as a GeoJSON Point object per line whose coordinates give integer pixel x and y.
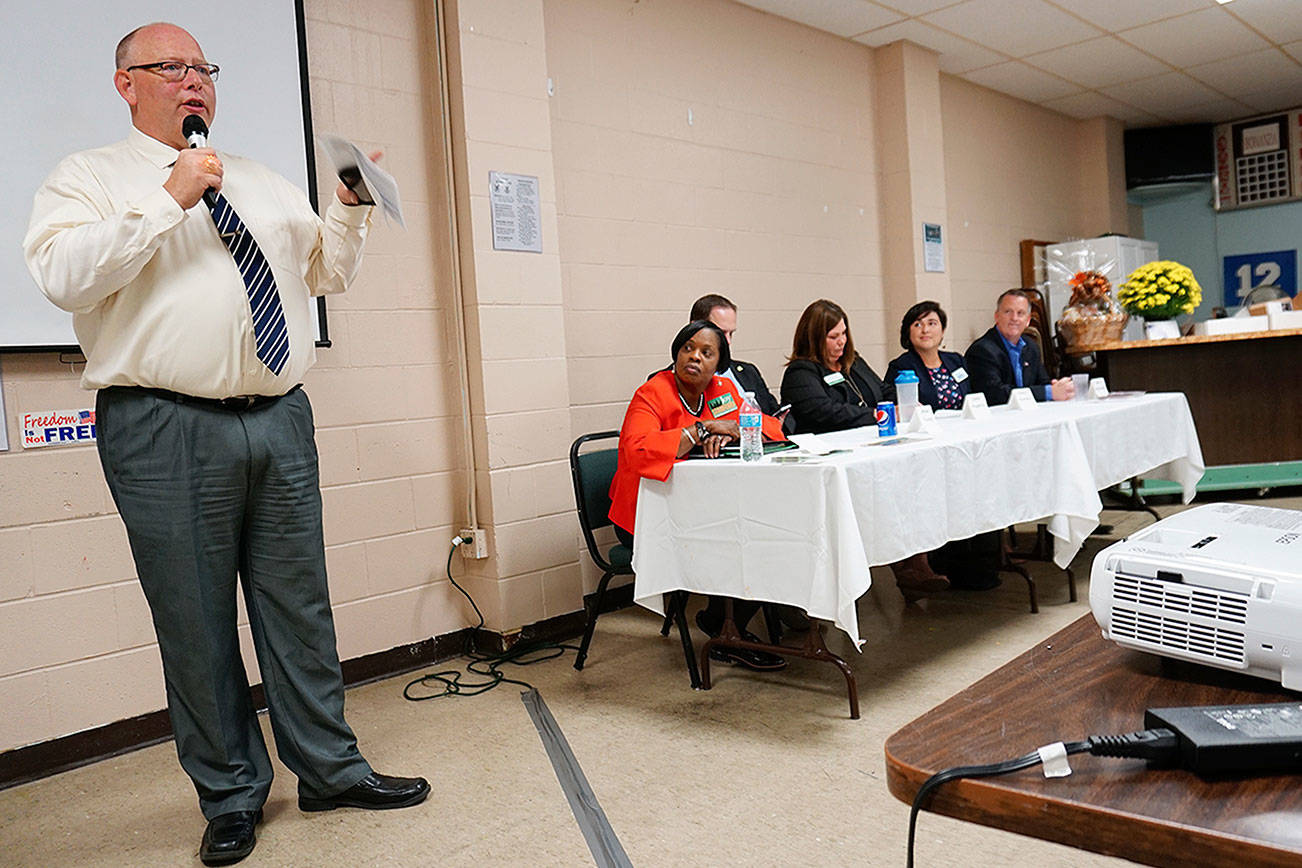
{"type": "Point", "coordinates": [174, 70]}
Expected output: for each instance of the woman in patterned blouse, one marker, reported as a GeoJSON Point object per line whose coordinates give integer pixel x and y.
{"type": "Point", "coordinates": [942, 381]}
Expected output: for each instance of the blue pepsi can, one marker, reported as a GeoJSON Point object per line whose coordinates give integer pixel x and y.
{"type": "Point", "coordinates": [886, 419]}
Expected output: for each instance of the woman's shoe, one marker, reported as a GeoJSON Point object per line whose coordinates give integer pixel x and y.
{"type": "Point", "coordinates": [916, 579]}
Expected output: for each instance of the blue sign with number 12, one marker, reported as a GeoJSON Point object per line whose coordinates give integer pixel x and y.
{"type": "Point", "coordinates": [1242, 274]}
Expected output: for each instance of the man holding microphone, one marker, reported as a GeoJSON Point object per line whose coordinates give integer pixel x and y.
{"type": "Point", "coordinates": [196, 321]}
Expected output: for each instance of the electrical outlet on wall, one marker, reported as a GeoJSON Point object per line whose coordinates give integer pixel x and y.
{"type": "Point", "coordinates": [477, 547]}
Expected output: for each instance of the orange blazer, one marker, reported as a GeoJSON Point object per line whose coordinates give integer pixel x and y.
{"type": "Point", "coordinates": [649, 437]}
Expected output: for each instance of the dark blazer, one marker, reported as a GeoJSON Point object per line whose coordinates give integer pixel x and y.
{"type": "Point", "coordinates": [911, 361]}
{"type": "Point", "coordinates": [818, 407]}
{"type": "Point", "coordinates": [991, 372]}
{"type": "Point", "coordinates": [753, 381]}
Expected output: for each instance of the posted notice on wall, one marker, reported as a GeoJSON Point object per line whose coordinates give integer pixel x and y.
{"type": "Point", "coordinates": [517, 212]}
{"type": "Point", "coordinates": [58, 428]}
{"type": "Point", "coordinates": [933, 250]}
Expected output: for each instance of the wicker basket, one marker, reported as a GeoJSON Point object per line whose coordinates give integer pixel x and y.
{"type": "Point", "coordinates": [1081, 329]}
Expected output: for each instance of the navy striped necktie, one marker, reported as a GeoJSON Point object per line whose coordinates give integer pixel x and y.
{"type": "Point", "coordinates": [270, 334]}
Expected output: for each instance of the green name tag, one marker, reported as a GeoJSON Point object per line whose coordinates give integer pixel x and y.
{"type": "Point", "coordinates": [722, 405]}
{"type": "Point", "coordinates": [833, 378]}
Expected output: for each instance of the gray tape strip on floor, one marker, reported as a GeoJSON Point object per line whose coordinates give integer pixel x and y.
{"type": "Point", "coordinates": [605, 847]}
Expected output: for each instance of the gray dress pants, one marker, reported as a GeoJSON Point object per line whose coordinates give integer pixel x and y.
{"type": "Point", "coordinates": [206, 493]}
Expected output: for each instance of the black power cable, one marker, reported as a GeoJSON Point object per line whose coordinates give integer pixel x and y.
{"type": "Point", "coordinates": [488, 666]}
{"type": "Point", "coordinates": [1158, 746]}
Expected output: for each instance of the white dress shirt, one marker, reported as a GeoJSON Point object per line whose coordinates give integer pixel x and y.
{"type": "Point", "coordinates": [156, 298]}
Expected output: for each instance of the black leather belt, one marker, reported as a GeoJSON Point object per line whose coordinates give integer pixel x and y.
{"type": "Point", "coordinates": [240, 402]}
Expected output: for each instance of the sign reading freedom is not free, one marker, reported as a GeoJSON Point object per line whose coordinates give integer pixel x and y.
{"type": "Point", "coordinates": [58, 428]}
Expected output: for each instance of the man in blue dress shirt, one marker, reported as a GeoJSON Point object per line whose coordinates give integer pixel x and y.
{"type": "Point", "coordinates": [1002, 359]}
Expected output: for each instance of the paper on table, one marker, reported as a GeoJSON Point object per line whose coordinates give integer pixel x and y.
{"type": "Point", "coordinates": [848, 440]}
{"type": "Point", "coordinates": [360, 174]}
{"type": "Point", "coordinates": [810, 443]}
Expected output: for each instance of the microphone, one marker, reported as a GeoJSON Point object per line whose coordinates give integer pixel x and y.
{"type": "Point", "coordinates": [196, 133]}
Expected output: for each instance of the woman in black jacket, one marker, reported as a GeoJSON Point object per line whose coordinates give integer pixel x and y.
{"type": "Point", "coordinates": [942, 381]}
{"type": "Point", "coordinates": [831, 388]}
{"type": "Point", "coordinates": [828, 385]}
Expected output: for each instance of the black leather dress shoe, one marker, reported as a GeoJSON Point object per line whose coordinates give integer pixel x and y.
{"type": "Point", "coordinates": [229, 837]}
{"type": "Point", "coordinates": [375, 792]}
{"type": "Point", "coordinates": [760, 661]}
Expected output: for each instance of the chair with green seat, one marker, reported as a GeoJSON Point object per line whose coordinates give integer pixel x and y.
{"type": "Point", "coordinates": [592, 471]}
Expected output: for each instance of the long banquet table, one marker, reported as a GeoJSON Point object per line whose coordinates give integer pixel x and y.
{"type": "Point", "coordinates": [806, 533]}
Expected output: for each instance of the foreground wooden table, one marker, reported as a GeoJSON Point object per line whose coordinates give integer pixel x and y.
{"type": "Point", "coordinates": [1073, 685]}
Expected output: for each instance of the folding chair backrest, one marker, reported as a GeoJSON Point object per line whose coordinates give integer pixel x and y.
{"type": "Point", "coordinates": [592, 472]}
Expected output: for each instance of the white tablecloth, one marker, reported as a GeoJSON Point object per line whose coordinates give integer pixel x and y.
{"type": "Point", "coordinates": [805, 534]}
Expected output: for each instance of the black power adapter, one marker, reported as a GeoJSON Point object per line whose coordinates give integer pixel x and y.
{"type": "Point", "coordinates": [1205, 739]}
{"type": "Point", "coordinates": [1229, 739]}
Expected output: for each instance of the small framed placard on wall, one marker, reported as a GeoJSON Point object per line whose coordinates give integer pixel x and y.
{"type": "Point", "coordinates": [933, 248]}
{"type": "Point", "coordinates": [517, 213]}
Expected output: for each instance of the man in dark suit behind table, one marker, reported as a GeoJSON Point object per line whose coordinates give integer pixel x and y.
{"type": "Point", "coordinates": [1002, 359]}
{"type": "Point", "coordinates": [195, 320]}
{"type": "Point", "coordinates": [719, 310]}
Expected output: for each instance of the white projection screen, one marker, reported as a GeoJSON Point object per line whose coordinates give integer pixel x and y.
{"type": "Point", "coordinates": [58, 62]}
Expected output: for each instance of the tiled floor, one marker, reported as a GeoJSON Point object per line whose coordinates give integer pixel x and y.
{"type": "Point", "coordinates": [762, 770]}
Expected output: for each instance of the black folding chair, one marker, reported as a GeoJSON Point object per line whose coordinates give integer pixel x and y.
{"type": "Point", "coordinates": [592, 472]}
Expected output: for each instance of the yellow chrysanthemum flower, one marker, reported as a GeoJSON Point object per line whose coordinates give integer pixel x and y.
{"type": "Point", "coordinates": [1160, 290]}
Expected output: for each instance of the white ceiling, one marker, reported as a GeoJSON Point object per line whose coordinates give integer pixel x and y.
{"type": "Point", "coordinates": [1146, 62]}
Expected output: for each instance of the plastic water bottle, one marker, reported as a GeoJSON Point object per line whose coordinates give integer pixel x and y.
{"type": "Point", "coordinates": [752, 438]}
{"type": "Point", "coordinates": [906, 393]}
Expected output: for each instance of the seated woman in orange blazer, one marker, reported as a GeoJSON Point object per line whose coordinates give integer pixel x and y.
{"type": "Point", "coordinates": [677, 409]}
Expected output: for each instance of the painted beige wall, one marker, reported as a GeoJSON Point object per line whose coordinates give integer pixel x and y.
{"type": "Point", "coordinates": [705, 147]}
{"type": "Point", "coordinates": [520, 392]}
{"type": "Point", "coordinates": [771, 193]}
{"type": "Point", "coordinates": [1014, 170]}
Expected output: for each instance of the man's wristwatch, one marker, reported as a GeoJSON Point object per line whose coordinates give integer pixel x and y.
{"type": "Point", "coordinates": [701, 432]}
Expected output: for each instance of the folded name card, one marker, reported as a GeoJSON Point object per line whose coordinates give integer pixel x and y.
{"type": "Point", "coordinates": [1098, 388]}
{"type": "Point", "coordinates": [975, 406]}
{"type": "Point", "coordinates": [1021, 399]}
{"type": "Point", "coordinates": [923, 421]}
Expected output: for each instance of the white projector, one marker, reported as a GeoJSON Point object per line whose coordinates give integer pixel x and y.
{"type": "Point", "coordinates": [1219, 584]}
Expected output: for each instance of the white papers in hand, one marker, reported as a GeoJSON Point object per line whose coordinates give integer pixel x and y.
{"type": "Point", "coordinates": [375, 186]}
